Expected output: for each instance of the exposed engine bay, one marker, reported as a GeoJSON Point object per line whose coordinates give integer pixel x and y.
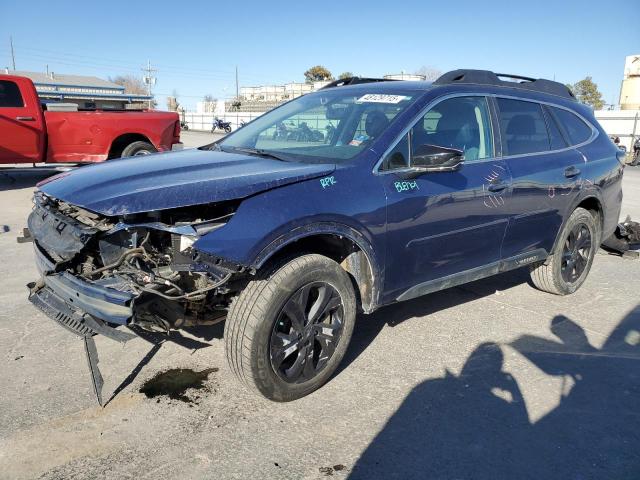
{"type": "Point", "coordinates": [148, 255]}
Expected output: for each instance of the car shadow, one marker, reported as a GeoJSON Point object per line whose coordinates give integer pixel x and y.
{"type": "Point", "coordinates": [475, 425]}
{"type": "Point", "coordinates": [369, 326]}
{"type": "Point", "coordinates": [17, 178]}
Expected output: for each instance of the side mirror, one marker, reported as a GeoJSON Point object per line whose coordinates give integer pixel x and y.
{"type": "Point", "coordinates": [433, 158]}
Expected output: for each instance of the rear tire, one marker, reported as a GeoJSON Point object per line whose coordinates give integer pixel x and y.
{"type": "Point", "coordinates": [568, 266]}
{"type": "Point", "coordinates": [138, 148]}
{"type": "Point", "coordinates": [227, 129]}
{"type": "Point", "coordinates": [279, 350]}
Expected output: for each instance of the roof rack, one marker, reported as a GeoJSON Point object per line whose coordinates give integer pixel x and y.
{"type": "Point", "coordinates": [354, 81]}
{"type": "Point", "coordinates": [486, 77]}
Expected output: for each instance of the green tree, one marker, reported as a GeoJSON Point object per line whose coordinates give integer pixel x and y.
{"type": "Point", "coordinates": [344, 75]}
{"type": "Point", "coordinates": [317, 74]}
{"type": "Point", "coordinates": [586, 91]}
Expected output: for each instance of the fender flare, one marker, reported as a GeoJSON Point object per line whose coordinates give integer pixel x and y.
{"type": "Point", "coordinates": [329, 228]}
{"type": "Point", "coordinates": [584, 195]}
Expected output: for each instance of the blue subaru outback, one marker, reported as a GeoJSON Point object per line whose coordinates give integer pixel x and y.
{"type": "Point", "coordinates": [360, 195]}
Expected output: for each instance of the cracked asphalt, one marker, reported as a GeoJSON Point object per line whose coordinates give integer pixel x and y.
{"type": "Point", "coordinates": [489, 380]}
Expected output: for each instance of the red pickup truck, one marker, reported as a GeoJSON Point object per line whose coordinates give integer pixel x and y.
{"type": "Point", "coordinates": [31, 134]}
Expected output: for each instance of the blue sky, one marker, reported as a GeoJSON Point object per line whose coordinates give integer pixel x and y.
{"type": "Point", "coordinates": [196, 45]}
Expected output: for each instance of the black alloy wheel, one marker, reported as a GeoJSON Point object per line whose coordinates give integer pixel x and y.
{"type": "Point", "coordinates": [306, 332]}
{"type": "Point", "coordinates": [576, 252]}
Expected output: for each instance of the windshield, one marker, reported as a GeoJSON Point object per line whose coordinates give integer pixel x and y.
{"type": "Point", "coordinates": [333, 125]}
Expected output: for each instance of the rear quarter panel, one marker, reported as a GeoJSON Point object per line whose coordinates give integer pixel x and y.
{"type": "Point", "coordinates": [603, 178]}
{"type": "Point", "coordinates": [88, 136]}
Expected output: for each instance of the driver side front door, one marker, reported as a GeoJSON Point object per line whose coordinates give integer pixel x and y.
{"type": "Point", "coordinates": [442, 226]}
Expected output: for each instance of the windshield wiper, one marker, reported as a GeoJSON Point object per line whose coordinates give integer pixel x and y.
{"type": "Point", "coordinates": [260, 152]}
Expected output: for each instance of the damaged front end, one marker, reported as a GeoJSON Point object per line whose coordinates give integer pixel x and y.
{"type": "Point", "coordinates": [139, 271]}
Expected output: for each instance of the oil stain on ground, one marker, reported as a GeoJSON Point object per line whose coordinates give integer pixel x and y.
{"type": "Point", "coordinates": [174, 383]}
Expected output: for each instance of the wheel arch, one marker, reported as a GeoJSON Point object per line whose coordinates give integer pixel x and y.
{"type": "Point", "coordinates": [121, 141]}
{"type": "Point", "coordinates": [341, 243]}
{"type": "Point", "coordinates": [590, 202]}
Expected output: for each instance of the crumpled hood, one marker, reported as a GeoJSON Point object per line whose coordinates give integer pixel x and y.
{"type": "Point", "coordinates": [170, 180]}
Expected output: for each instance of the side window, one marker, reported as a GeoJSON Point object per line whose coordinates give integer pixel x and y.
{"type": "Point", "coordinates": [10, 95]}
{"type": "Point", "coordinates": [576, 129]}
{"type": "Point", "coordinates": [556, 139]}
{"type": "Point", "coordinates": [462, 122]}
{"type": "Point", "coordinates": [523, 127]}
{"type": "Point", "coordinates": [399, 157]}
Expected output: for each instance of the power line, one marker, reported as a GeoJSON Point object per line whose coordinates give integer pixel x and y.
{"type": "Point", "coordinates": [125, 64]}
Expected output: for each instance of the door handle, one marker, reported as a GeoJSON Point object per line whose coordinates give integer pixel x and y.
{"type": "Point", "coordinates": [497, 187]}
{"type": "Point", "coordinates": [25, 119]}
{"type": "Point", "coordinates": [571, 172]}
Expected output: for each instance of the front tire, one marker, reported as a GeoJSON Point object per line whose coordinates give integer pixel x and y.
{"type": "Point", "coordinates": [288, 330]}
{"type": "Point", "coordinates": [138, 148]}
{"type": "Point", "coordinates": [568, 266]}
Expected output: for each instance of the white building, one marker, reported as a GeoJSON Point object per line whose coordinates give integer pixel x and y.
{"type": "Point", "coordinates": [630, 89]}
{"type": "Point", "coordinates": [404, 76]}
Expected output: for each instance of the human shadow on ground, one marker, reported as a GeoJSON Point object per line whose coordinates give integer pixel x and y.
{"type": "Point", "coordinates": [475, 425]}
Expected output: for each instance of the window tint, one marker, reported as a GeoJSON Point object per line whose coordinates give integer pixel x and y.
{"type": "Point", "coordinates": [10, 94]}
{"type": "Point", "coordinates": [523, 127]}
{"type": "Point", "coordinates": [576, 129]}
{"type": "Point", "coordinates": [461, 122]}
{"type": "Point", "coordinates": [555, 137]}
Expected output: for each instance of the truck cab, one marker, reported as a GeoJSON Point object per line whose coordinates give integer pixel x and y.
{"type": "Point", "coordinates": [31, 134]}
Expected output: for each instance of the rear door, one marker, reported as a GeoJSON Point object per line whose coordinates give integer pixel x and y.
{"type": "Point", "coordinates": [21, 123]}
{"type": "Point", "coordinates": [443, 223]}
{"type": "Point", "coordinates": [546, 173]}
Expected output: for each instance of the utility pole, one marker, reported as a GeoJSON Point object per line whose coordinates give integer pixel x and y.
{"type": "Point", "coordinates": [13, 55]}
{"type": "Point", "coordinates": [148, 79]}
{"type": "Point", "coordinates": [237, 99]}
{"type": "Point", "coordinates": [237, 95]}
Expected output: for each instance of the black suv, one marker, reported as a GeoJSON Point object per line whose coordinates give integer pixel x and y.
{"type": "Point", "coordinates": [362, 194]}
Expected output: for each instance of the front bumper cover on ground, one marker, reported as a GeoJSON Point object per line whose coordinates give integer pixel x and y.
{"type": "Point", "coordinates": [81, 307]}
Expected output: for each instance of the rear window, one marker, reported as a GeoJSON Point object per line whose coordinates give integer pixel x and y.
{"type": "Point", "coordinates": [555, 136]}
{"type": "Point", "coordinates": [523, 127]}
{"type": "Point", "coordinates": [577, 130]}
{"type": "Point", "coordinates": [10, 95]}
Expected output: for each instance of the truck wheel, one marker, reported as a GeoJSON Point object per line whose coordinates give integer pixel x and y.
{"type": "Point", "coordinates": [572, 257]}
{"type": "Point", "coordinates": [288, 330]}
{"type": "Point", "coordinates": [138, 148]}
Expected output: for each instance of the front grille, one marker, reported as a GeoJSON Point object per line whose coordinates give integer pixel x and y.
{"type": "Point", "coordinates": [54, 308]}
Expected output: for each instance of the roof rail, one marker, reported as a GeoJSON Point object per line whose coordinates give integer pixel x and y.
{"type": "Point", "coordinates": [354, 81]}
{"type": "Point", "coordinates": [486, 77]}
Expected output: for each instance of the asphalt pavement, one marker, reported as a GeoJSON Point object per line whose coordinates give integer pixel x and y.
{"type": "Point", "coordinates": [489, 380]}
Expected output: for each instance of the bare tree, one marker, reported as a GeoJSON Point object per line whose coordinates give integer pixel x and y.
{"type": "Point", "coordinates": [430, 73]}
{"type": "Point", "coordinates": [131, 84]}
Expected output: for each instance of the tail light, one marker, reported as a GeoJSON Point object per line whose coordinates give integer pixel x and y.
{"type": "Point", "coordinates": [176, 129]}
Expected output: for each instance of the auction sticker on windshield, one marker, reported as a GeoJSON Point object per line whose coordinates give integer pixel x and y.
{"type": "Point", "coordinates": [381, 98]}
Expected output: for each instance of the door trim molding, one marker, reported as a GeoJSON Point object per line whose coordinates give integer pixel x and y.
{"type": "Point", "coordinates": [473, 274]}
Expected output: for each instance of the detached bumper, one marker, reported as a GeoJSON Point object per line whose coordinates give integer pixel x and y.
{"type": "Point", "coordinates": [80, 296]}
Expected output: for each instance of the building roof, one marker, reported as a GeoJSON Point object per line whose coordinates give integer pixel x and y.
{"type": "Point", "coordinates": [58, 79]}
